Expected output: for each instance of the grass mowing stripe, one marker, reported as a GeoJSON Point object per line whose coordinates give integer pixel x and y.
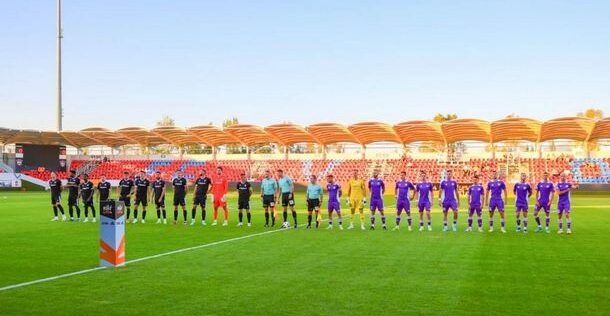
{"type": "Point", "coordinates": [65, 275]}
{"type": "Point", "coordinates": [61, 276]}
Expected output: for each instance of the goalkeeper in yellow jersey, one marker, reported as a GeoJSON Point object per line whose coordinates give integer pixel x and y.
{"type": "Point", "coordinates": [356, 198]}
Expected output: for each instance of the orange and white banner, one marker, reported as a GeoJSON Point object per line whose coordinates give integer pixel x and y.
{"type": "Point", "coordinates": [112, 233]}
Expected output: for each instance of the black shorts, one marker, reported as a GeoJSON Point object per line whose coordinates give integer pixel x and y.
{"type": "Point", "coordinates": [243, 204]}
{"type": "Point", "coordinates": [160, 203]}
{"type": "Point", "coordinates": [55, 199]}
{"type": "Point", "coordinates": [179, 200]}
{"type": "Point", "coordinates": [313, 205]}
{"type": "Point", "coordinates": [72, 199]}
{"type": "Point", "coordinates": [88, 202]}
{"type": "Point", "coordinates": [126, 200]}
{"type": "Point", "coordinates": [141, 200]}
{"type": "Point", "coordinates": [199, 200]}
{"type": "Point", "coordinates": [287, 199]}
{"type": "Point", "coordinates": [268, 200]}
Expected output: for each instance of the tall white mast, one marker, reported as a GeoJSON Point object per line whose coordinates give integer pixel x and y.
{"type": "Point", "coordinates": [59, 88]}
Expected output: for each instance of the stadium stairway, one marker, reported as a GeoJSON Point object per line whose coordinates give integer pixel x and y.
{"type": "Point", "coordinates": [6, 168]}
{"type": "Point", "coordinates": [85, 166]}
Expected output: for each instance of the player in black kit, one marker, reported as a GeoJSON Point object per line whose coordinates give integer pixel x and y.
{"type": "Point", "coordinates": [142, 186]}
{"type": "Point", "coordinates": [158, 187]}
{"type": "Point", "coordinates": [179, 184]}
{"type": "Point", "coordinates": [244, 190]}
{"type": "Point", "coordinates": [200, 193]}
{"type": "Point", "coordinates": [86, 194]}
{"type": "Point", "coordinates": [55, 187]}
{"type": "Point", "coordinates": [72, 184]}
{"type": "Point", "coordinates": [103, 188]}
{"type": "Point", "coordinates": [125, 189]}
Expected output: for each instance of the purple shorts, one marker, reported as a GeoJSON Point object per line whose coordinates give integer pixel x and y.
{"type": "Point", "coordinates": [334, 206]}
{"type": "Point", "coordinates": [563, 207]}
{"type": "Point", "coordinates": [424, 206]}
{"type": "Point", "coordinates": [521, 208]}
{"type": "Point", "coordinates": [496, 205]}
{"type": "Point", "coordinates": [474, 209]}
{"type": "Point", "coordinates": [449, 205]}
{"type": "Point", "coordinates": [543, 206]}
{"type": "Point", "coordinates": [376, 205]}
{"type": "Point", "coordinates": [403, 206]}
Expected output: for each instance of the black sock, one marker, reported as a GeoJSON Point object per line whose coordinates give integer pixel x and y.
{"type": "Point", "coordinates": [71, 211]}
{"type": "Point", "coordinates": [309, 219]}
{"type": "Point", "coordinates": [93, 211]}
{"type": "Point", "coordinates": [203, 214]}
{"type": "Point", "coordinates": [285, 215]}
{"type": "Point", "coordinates": [249, 216]}
{"type": "Point", "coordinates": [143, 214]}
{"type": "Point", "coordinates": [175, 215]}
{"type": "Point", "coordinates": [158, 213]}
{"type": "Point", "coordinates": [55, 210]}
{"type": "Point", "coordinates": [294, 216]}
{"type": "Point", "coordinates": [164, 213]}
{"type": "Point", "coordinates": [86, 211]}
{"type": "Point", "coordinates": [193, 212]}
{"type": "Point", "coordinates": [128, 212]}
{"type": "Point", "coordinates": [61, 209]}
{"type": "Point", "coordinates": [135, 214]}
{"type": "Point", "coordinates": [317, 221]}
{"type": "Point", "coordinates": [184, 214]}
{"type": "Point", "coordinates": [266, 218]}
{"type": "Point", "coordinates": [240, 216]}
{"type": "Point", "coordinates": [272, 219]}
{"type": "Point", "coordinates": [77, 211]}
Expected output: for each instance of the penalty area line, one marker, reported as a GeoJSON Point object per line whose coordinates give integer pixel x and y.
{"type": "Point", "coordinates": [66, 275]}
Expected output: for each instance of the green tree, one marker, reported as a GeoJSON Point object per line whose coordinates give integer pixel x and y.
{"type": "Point", "coordinates": [434, 146]}
{"type": "Point", "coordinates": [592, 113]}
{"type": "Point", "coordinates": [233, 149]}
{"type": "Point", "coordinates": [444, 118]}
{"type": "Point", "coordinates": [166, 120]}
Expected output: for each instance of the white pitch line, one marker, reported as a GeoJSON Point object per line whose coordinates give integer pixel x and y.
{"type": "Point", "coordinates": [66, 275]}
{"type": "Point", "coordinates": [61, 276]}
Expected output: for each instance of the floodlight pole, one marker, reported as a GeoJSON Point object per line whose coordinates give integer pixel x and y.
{"type": "Point", "coordinates": [59, 88]}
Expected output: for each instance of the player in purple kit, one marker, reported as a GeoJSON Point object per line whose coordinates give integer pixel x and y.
{"type": "Point", "coordinates": [545, 191]}
{"type": "Point", "coordinates": [334, 201]}
{"type": "Point", "coordinates": [497, 189]}
{"type": "Point", "coordinates": [424, 190]}
{"type": "Point", "coordinates": [476, 192]}
{"type": "Point", "coordinates": [449, 198]}
{"type": "Point", "coordinates": [564, 189]}
{"type": "Point", "coordinates": [377, 189]}
{"type": "Point", "coordinates": [401, 192]}
{"type": "Point", "coordinates": [523, 191]}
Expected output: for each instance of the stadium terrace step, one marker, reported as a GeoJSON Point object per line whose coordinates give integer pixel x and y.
{"type": "Point", "coordinates": [596, 170]}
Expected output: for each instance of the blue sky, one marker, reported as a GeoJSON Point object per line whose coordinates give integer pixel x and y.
{"type": "Point", "coordinates": [126, 63]}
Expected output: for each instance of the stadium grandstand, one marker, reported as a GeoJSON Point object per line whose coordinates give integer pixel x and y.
{"type": "Point", "coordinates": [573, 145]}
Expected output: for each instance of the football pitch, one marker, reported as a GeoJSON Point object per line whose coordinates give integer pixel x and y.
{"type": "Point", "coordinates": [245, 271]}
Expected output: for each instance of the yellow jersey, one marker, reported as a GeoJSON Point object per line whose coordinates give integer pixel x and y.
{"type": "Point", "coordinates": [356, 188]}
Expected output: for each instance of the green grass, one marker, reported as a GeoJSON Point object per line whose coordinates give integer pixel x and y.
{"type": "Point", "coordinates": [306, 271]}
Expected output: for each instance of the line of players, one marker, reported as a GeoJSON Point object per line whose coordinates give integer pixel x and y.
{"type": "Point", "coordinates": [282, 189]}
{"type": "Point", "coordinates": [144, 191]}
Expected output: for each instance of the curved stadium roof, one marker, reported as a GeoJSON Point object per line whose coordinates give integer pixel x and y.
{"type": "Point", "coordinates": [523, 129]}
{"type": "Point", "coordinates": [515, 128]}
